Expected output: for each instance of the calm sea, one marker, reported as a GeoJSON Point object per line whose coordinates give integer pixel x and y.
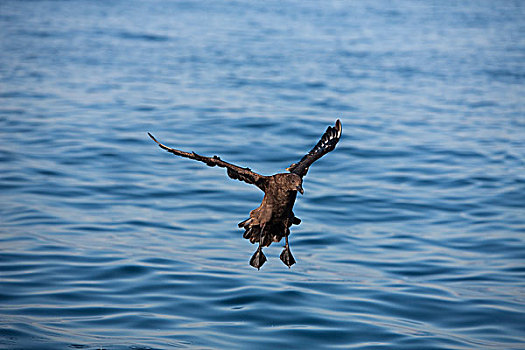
{"type": "Point", "coordinates": [413, 232]}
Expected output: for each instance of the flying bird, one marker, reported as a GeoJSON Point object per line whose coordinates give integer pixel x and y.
{"type": "Point", "coordinates": [271, 221]}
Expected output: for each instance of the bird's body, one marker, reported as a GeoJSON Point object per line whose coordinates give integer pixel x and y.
{"type": "Point", "coordinates": [271, 221]}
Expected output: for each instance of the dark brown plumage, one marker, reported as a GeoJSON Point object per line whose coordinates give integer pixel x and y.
{"type": "Point", "coordinates": [271, 221]}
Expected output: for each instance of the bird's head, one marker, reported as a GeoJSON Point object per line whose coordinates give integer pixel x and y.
{"type": "Point", "coordinates": [296, 183]}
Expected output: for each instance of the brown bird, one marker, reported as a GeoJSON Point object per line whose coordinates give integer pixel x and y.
{"type": "Point", "coordinates": [271, 221]}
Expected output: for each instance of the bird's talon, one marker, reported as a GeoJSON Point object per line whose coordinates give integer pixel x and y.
{"type": "Point", "coordinates": [258, 259]}
{"type": "Point", "coordinates": [287, 257]}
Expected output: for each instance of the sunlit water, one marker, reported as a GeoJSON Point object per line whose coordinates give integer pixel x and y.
{"type": "Point", "coordinates": [413, 228]}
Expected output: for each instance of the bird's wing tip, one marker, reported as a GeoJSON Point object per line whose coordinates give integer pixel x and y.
{"type": "Point", "coordinates": [153, 137]}
{"type": "Point", "coordinates": [338, 127]}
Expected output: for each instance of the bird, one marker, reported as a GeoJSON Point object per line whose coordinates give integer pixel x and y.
{"type": "Point", "coordinates": [271, 221]}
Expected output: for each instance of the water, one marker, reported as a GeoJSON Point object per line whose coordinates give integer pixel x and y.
{"type": "Point", "coordinates": [413, 228]}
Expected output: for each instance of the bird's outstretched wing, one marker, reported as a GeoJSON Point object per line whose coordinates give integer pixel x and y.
{"type": "Point", "coordinates": [234, 171]}
{"type": "Point", "coordinates": [326, 144]}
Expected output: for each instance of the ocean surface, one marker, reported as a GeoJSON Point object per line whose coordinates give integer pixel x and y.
{"type": "Point", "coordinates": [413, 231]}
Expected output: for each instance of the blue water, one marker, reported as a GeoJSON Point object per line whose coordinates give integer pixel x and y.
{"type": "Point", "coordinates": [413, 232]}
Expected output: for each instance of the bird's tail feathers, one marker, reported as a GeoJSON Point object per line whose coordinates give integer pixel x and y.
{"type": "Point", "coordinates": [253, 233]}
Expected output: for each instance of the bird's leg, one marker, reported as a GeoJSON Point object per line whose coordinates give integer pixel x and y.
{"type": "Point", "coordinates": [258, 258]}
{"type": "Point", "coordinates": [286, 255]}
